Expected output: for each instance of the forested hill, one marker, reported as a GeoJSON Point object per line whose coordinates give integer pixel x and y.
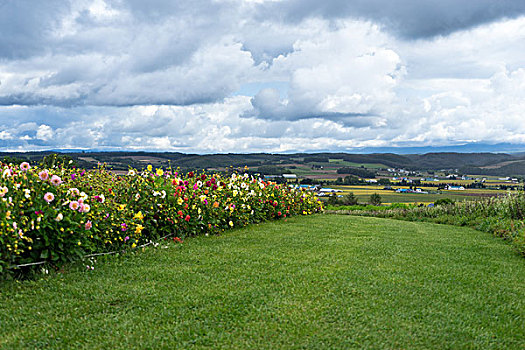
{"type": "Point", "coordinates": [479, 163]}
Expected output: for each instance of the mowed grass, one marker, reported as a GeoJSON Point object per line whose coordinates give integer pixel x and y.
{"type": "Point", "coordinates": [314, 282]}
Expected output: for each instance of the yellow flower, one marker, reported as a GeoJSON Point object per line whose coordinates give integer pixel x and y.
{"type": "Point", "coordinates": [139, 228]}
{"type": "Point", "coordinates": [160, 172]}
{"type": "Point", "coordinates": [230, 223]}
{"type": "Point", "coordinates": [180, 201]}
{"type": "Point", "coordinates": [121, 206]}
{"type": "Point", "coordinates": [149, 167]}
{"type": "Point", "coordinates": [139, 216]}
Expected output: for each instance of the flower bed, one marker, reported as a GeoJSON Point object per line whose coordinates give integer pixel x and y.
{"type": "Point", "coordinates": [59, 215]}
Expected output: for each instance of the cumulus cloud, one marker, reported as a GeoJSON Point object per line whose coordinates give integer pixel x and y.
{"type": "Point", "coordinates": [345, 74]}
{"type": "Point", "coordinates": [330, 75]}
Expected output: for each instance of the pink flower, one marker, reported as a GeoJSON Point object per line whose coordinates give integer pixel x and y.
{"type": "Point", "coordinates": [49, 197]}
{"type": "Point", "coordinates": [88, 225]}
{"type": "Point", "coordinates": [25, 166]}
{"type": "Point", "coordinates": [86, 208]}
{"type": "Point", "coordinates": [43, 175]}
{"type": "Point", "coordinates": [74, 205]}
{"type": "Point", "coordinates": [124, 227]}
{"type": "Point", "coordinates": [55, 180]}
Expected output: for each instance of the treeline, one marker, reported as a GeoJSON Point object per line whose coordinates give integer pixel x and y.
{"type": "Point", "coordinates": [471, 163]}
{"type": "Point", "coordinates": [357, 172]}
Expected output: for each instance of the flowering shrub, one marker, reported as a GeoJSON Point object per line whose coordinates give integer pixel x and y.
{"type": "Point", "coordinates": [59, 214]}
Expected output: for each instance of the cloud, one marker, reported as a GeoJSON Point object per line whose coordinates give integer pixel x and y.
{"type": "Point", "coordinates": [347, 74]}
{"type": "Point", "coordinates": [121, 53]}
{"type": "Point", "coordinates": [410, 19]}
{"type": "Point", "coordinates": [269, 76]}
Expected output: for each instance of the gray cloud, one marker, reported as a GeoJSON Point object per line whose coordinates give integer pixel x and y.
{"type": "Point", "coordinates": [410, 18]}
{"type": "Point", "coordinates": [172, 75]}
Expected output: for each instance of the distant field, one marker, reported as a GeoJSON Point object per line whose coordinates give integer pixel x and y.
{"type": "Point", "coordinates": [387, 196]}
{"type": "Point", "coordinates": [358, 165]}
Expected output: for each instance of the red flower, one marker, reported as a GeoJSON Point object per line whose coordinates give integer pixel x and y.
{"type": "Point", "coordinates": [190, 174]}
{"type": "Point", "coordinates": [187, 218]}
{"type": "Point", "coordinates": [279, 213]}
{"type": "Point", "coordinates": [203, 177]}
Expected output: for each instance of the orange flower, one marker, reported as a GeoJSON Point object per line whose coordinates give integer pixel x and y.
{"type": "Point", "coordinates": [216, 204]}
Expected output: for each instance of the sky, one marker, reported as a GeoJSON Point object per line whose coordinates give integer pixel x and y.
{"type": "Point", "coordinates": [239, 76]}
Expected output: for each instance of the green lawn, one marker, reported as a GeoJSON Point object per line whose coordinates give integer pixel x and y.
{"type": "Point", "coordinates": [315, 282]}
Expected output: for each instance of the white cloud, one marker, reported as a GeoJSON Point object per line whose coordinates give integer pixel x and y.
{"type": "Point", "coordinates": [161, 75]}
{"type": "Point", "coordinates": [44, 132]}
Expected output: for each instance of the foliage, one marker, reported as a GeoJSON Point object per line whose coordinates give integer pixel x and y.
{"type": "Point", "coordinates": [357, 172]}
{"type": "Point", "coordinates": [375, 199]}
{"type": "Point", "coordinates": [349, 199]}
{"type": "Point", "coordinates": [444, 201]}
{"type": "Point", "coordinates": [367, 207]}
{"type": "Point", "coordinates": [59, 214]}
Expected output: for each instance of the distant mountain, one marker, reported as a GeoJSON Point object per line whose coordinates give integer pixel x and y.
{"type": "Point", "coordinates": [504, 164]}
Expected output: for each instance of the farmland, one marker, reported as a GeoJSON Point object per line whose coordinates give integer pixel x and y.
{"type": "Point", "coordinates": [390, 196]}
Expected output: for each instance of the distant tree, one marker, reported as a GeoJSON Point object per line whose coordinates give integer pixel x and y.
{"type": "Point", "coordinates": [14, 160]}
{"type": "Point", "coordinates": [332, 200]}
{"type": "Point", "coordinates": [383, 182]}
{"type": "Point", "coordinates": [61, 160]}
{"type": "Point", "coordinates": [352, 180]}
{"type": "Point", "coordinates": [375, 199]}
{"type": "Point", "coordinates": [316, 159]}
{"type": "Point", "coordinates": [443, 201]}
{"type": "Point", "coordinates": [350, 199]}
{"type": "Point", "coordinates": [272, 170]}
{"type": "Point", "coordinates": [357, 172]}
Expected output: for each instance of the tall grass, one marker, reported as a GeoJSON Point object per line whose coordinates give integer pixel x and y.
{"type": "Point", "coordinates": [502, 216]}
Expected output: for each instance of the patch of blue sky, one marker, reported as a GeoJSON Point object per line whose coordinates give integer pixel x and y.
{"type": "Point", "coordinates": [251, 89]}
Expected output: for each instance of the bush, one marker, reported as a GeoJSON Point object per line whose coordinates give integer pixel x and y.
{"type": "Point", "coordinates": [443, 201]}
{"type": "Point", "coordinates": [375, 199]}
{"type": "Point", "coordinates": [58, 215]}
{"type": "Point", "coordinates": [350, 199]}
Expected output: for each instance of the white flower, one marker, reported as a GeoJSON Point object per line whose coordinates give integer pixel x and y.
{"type": "Point", "coordinates": [7, 173]}
{"type": "Point", "coordinates": [59, 217]}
